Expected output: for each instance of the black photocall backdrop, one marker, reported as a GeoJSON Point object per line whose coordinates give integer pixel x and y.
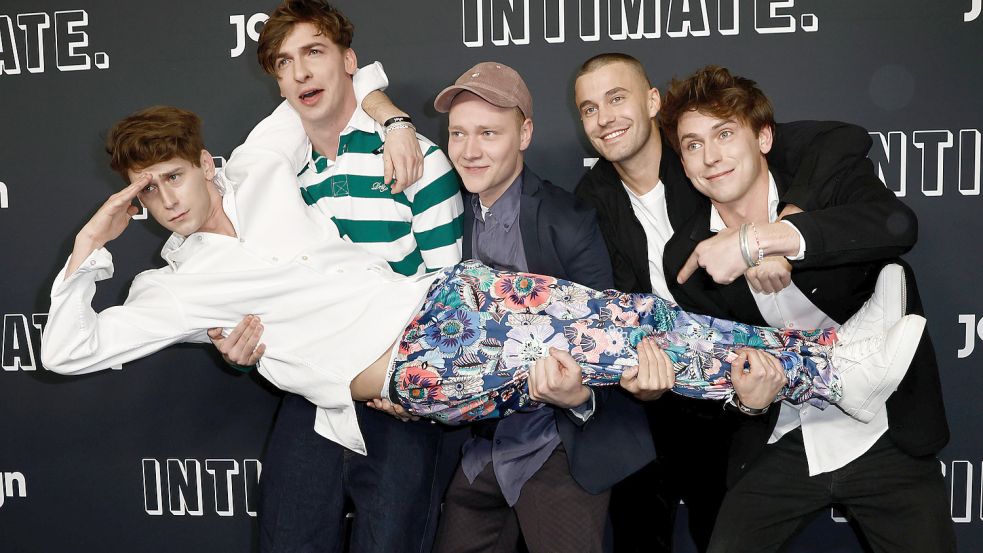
{"type": "Point", "coordinates": [165, 454]}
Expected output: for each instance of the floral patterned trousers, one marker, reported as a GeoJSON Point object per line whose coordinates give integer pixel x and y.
{"type": "Point", "coordinates": [466, 355]}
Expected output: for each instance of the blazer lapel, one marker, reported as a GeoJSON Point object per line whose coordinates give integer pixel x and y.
{"type": "Point", "coordinates": [736, 295]}
{"type": "Point", "coordinates": [529, 205]}
{"type": "Point", "coordinates": [468, 234]}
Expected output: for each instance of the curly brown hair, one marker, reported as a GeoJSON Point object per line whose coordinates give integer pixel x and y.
{"type": "Point", "coordinates": [153, 135]}
{"type": "Point", "coordinates": [713, 91]}
{"type": "Point", "coordinates": [327, 18]}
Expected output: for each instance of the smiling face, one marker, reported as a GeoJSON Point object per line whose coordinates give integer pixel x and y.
{"type": "Point", "coordinates": [617, 108]}
{"type": "Point", "coordinates": [315, 75]}
{"type": "Point", "coordinates": [181, 196]}
{"type": "Point", "coordinates": [724, 157]}
{"type": "Point", "coordinates": [486, 145]}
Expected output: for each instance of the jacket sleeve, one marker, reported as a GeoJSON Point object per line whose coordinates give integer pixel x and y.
{"type": "Point", "coordinates": [858, 220]}
{"type": "Point", "coordinates": [814, 152]}
{"type": "Point", "coordinates": [849, 215]}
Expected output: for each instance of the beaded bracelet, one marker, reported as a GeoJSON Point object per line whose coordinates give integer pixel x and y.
{"type": "Point", "coordinates": [397, 126]}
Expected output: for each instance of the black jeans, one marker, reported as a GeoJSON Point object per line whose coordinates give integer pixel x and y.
{"type": "Point", "coordinates": [307, 479]}
{"type": "Point", "coordinates": [898, 501]}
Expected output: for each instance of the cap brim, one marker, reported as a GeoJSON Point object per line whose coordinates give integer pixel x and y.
{"type": "Point", "coordinates": [446, 97]}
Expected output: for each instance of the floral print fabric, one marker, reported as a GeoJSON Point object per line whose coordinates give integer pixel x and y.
{"type": "Point", "coordinates": [467, 353]}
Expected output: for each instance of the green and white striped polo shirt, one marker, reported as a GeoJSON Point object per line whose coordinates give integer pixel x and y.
{"type": "Point", "coordinates": [416, 230]}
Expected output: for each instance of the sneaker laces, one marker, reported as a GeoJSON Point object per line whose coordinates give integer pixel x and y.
{"type": "Point", "coordinates": [857, 351]}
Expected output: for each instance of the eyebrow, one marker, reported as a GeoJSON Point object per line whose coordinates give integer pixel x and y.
{"type": "Point", "coordinates": [715, 127]}
{"type": "Point", "coordinates": [165, 176]}
{"type": "Point", "coordinates": [607, 94]}
{"type": "Point", "coordinates": [722, 123]}
{"type": "Point", "coordinates": [305, 48]}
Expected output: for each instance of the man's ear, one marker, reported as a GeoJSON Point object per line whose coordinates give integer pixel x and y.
{"type": "Point", "coordinates": [654, 102]}
{"type": "Point", "coordinates": [525, 134]}
{"type": "Point", "coordinates": [766, 137]}
{"type": "Point", "coordinates": [207, 163]}
{"type": "Point", "coordinates": [351, 61]}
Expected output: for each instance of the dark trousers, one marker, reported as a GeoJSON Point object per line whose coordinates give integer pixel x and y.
{"type": "Point", "coordinates": [553, 513]}
{"type": "Point", "coordinates": [307, 480]}
{"type": "Point", "coordinates": [692, 441]}
{"type": "Point", "coordinates": [898, 501]}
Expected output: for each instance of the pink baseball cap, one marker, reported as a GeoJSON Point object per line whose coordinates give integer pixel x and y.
{"type": "Point", "coordinates": [496, 83]}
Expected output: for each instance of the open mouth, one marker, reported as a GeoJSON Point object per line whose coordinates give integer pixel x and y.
{"type": "Point", "coordinates": [311, 96]}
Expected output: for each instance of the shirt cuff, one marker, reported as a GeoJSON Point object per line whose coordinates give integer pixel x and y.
{"type": "Point", "coordinates": [585, 410]}
{"type": "Point", "coordinates": [99, 262]}
{"type": "Point", "coordinates": [802, 244]}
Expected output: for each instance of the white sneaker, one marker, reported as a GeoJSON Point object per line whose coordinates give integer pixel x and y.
{"type": "Point", "coordinates": [878, 314]}
{"type": "Point", "coordinates": [871, 369]}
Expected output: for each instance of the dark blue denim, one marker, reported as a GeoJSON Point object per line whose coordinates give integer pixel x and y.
{"type": "Point", "coordinates": [307, 479]}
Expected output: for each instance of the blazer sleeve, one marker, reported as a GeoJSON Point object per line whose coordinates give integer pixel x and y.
{"type": "Point", "coordinates": [814, 152]}
{"type": "Point", "coordinates": [858, 220]}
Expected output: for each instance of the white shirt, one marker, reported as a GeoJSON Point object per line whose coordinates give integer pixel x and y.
{"type": "Point", "coordinates": [329, 308]}
{"type": "Point", "coordinates": [651, 211]}
{"type": "Point", "coordinates": [832, 438]}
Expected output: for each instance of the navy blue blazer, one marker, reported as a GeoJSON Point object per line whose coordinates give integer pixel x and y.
{"type": "Point", "coordinates": [561, 239]}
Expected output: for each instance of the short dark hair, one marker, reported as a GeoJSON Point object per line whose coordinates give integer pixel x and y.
{"type": "Point", "coordinates": [153, 135]}
{"type": "Point", "coordinates": [601, 60]}
{"type": "Point", "coordinates": [329, 21]}
{"type": "Point", "coordinates": [713, 91]}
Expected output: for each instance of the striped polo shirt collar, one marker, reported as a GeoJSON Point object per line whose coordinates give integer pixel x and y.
{"type": "Point", "coordinates": [360, 121]}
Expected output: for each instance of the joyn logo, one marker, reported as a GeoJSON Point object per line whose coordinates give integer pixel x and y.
{"type": "Point", "coordinates": [181, 490]}
{"type": "Point", "coordinates": [509, 20]}
{"type": "Point", "coordinates": [973, 330]}
{"type": "Point", "coordinates": [245, 27]}
{"type": "Point", "coordinates": [12, 484]}
{"type": "Point", "coordinates": [974, 12]}
{"type": "Point", "coordinates": [71, 41]}
{"type": "Point", "coordinates": [936, 157]}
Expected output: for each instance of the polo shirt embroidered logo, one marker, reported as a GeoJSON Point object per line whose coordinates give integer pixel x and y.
{"type": "Point", "coordinates": [379, 186]}
{"type": "Point", "coordinates": [339, 186]}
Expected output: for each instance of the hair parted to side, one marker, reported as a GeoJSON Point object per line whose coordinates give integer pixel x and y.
{"type": "Point", "coordinates": [153, 135]}
{"type": "Point", "coordinates": [602, 60]}
{"type": "Point", "coordinates": [328, 19]}
{"type": "Point", "coordinates": [713, 91]}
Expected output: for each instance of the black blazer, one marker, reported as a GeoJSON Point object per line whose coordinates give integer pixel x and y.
{"type": "Point", "coordinates": [561, 239]}
{"type": "Point", "coordinates": [853, 227]}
